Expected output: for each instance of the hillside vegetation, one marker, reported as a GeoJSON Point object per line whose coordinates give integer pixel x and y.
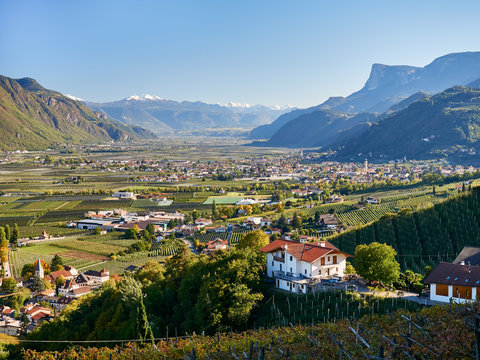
{"type": "Point", "coordinates": [432, 339]}
{"type": "Point", "coordinates": [425, 237]}
{"type": "Point", "coordinates": [32, 117]}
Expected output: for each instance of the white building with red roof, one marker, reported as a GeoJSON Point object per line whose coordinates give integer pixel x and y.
{"type": "Point", "coordinates": [297, 266]}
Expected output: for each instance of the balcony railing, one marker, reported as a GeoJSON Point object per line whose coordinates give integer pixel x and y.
{"type": "Point", "coordinates": [279, 258]}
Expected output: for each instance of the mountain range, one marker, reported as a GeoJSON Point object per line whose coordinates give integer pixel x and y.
{"type": "Point", "coordinates": [401, 112]}
{"type": "Point", "coordinates": [386, 88]}
{"type": "Point", "coordinates": [168, 117]}
{"type": "Point", "coordinates": [443, 125]}
{"type": "Point", "coordinates": [32, 117]}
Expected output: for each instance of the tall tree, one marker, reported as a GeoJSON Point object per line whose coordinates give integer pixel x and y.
{"type": "Point", "coordinates": [8, 232]}
{"type": "Point", "coordinates": [376, 262]}
{"type": "Point", "coordinates": [57, 263]}
{"type": "Point", "coordinates": [15, 234]}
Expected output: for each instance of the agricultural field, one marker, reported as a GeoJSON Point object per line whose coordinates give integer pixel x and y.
{"type": "Point", "coordinates": [223, 200]}
{"type": "Point", "coordinates": [166, 247]}
{"type": "Point", "coordinates": [282, 309]}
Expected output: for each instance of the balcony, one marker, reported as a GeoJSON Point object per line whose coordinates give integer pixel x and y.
{"type": "Point", "coordinates": [279, 258]}
{"type": "Point", "coordinates": [297, 278]}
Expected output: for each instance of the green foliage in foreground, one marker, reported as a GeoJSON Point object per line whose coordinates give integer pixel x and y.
{"type": "Point", "coordinates": [192, 293]}
{"type": "Point", "coordinates": [454, 341]}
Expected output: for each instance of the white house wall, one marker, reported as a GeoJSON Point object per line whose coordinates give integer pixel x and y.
{"type": "Point", "coordinates": [435, 297]}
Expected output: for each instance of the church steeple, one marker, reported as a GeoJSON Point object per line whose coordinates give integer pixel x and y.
{"type": "Point", "coordinates": [39, 269]}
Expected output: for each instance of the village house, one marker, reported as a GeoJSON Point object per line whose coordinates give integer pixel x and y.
{"type": "Point", "coordinates": [202, 222]}
{"type": "Point", "coordinates": [10, 326]}
{"type": "Point", "coordinates": [329, 221]}
{"type": "Point", "coordinates": [457, 281]}
{"type": "Point", "coordinates": [297, 266]}
{"type": "Point", "coordinates": [98, 277]}
{"type": "Point", "coordinates": [124, 195]}
{"type": "Point", "coordinates": [215, 245]}
{"type": "Point", "coordinates": [77, 286]}
{"type": "Point", "coordinates": [372, 200]}
{"type": "Point", "coordinates": [36, 313]}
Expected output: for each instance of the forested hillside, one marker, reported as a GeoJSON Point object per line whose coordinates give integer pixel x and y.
{"type": "Point", "coordinates": [425, 237]}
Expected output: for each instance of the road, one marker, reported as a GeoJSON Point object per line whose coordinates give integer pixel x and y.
{"type": "Point", "coordinates": [190, 246]}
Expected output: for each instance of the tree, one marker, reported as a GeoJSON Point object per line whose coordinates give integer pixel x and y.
{"type": "Point", "coordinates": [171, 224]}
{"type": "Point", "coordinates": [28, 271]}
{"type": "Point", "coordinates": [254, 240]}
{"type": "Point", "coordinates": [57, 263]}
{"type": "Point", "coordinates": [349, 269]}
{"type": "Point", "coordinates": [132, 233]}
{"type": "Point", "coordinates": [15, 234]}
{"type": "Point", "coordinates": [9, 285]}
{"type": "Point", "coordinates": [151, 229]}
{"type": "Point", "coordinates": [97, 230]}
{"type": "Point", "coordinates": [3, 246]}
{"type": "Point", "coordinates": [317, 217]}
{"type": "Point", "coordinates": [214, 208]}
{"type": "Point", "coordinates": [376, 262]}
{"type": "Point", "coordinates": [296, 221]}
{"type": "Point", "coordinates": [37, 284]}
{"type": "Point", "coordinates": [142, 327]}
{"type": "Point", "coordinates": [8, 232]}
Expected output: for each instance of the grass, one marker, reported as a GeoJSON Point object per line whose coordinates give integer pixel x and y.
{"type": "Point", "coordinates": [222, 200]}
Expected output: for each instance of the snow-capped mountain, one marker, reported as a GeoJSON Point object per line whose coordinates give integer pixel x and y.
{"type": "Point", "coordinates": [168, 116]}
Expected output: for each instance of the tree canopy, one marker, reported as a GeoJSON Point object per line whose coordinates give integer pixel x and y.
{"type": "Point", "coordinates": [254, 240]}
{"type": "Point", "coordinates": [376, 262]}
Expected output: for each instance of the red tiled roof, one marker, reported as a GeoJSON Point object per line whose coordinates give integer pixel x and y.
{"type": "Point", "coordinates": [308, 252]}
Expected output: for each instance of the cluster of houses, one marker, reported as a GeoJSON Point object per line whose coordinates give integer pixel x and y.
{"type": "Point", "coordinates": [121, 220]}
{"type": "Point", "coordinates": [75, 285]}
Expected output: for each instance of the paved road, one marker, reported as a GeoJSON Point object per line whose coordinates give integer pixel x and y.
{"type": "Point", "coordinates": [190, 246]}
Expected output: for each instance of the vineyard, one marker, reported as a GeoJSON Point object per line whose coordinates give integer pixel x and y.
{"type": "Point", "coordinates": [209, 236]}
{"type": "Point", "coordinates": [425, 237]}
{"type": "Point", "coordinates": [236, 236]}
{"type": "Point", "coordinates": [282, 308]}
{"type": "Point", "coordinates": [167, 247]}
{"type": "Point", "coordinates": [399, 335]}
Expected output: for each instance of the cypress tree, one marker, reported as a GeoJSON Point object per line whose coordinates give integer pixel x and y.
{"type": "Point", "coordinates": [142, 327]}
{"type": "Point", "coordinates": [15, 234]}
{"type": "Point", "coordinates": [8, 233]}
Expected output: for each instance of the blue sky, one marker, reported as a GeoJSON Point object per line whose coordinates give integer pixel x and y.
{"type": "Point", "coordinates": [270, 52]}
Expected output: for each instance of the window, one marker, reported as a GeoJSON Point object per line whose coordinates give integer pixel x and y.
{"type": "Point", "coordinates": [322, 261]}
{"type": "Point", "coordinates": [336, 269]}
{"type": "Point", "coordinates": [442, 290]}
{"type": "Point", "coordinates": [272, 263]}
{"type": "Point", "coordinates": [290, 269]}
{"type": "Point", "coordinates": [273, 274]}
{"type": "Point", "coordinates": [335, 259]}
{"type": "Point", "coordinates": [291, 258]}
{"type": "Point", "coordinates": [328, 258]}
{"type": "Point", "coordinates": [293, 285]}
{"type": "Point", "coordinates": [319, 272]}
{"type": "Point", "coordinates": [305, 271]}
{"type": "Point", "coordinates": [463, 292]}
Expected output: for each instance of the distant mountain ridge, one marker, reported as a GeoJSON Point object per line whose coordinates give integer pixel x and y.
{"type": "Point", "coordinates": [32, 117]}
{"type": "Point", "coordinates": [168, 116]}
{"type": "Point", "coordinates": [389, 85]}
{"type": "Point", "coordinates": [442, 125]}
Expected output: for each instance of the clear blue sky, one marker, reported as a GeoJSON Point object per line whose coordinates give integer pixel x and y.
{"type": "Point", "coordinates": [271, 52]}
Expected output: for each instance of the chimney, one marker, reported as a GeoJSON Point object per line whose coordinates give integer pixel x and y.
{"type": "Point", "coordinates": [462, 262]}
{"type": "Point", "coordinates": [322, 243]}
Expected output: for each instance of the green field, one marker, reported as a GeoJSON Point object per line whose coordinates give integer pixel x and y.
{"type": "Point", "coordinates": [223, 200]}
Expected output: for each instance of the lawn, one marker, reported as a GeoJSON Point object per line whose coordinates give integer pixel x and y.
{"type": "Point", "coordinates": [223, 200]}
